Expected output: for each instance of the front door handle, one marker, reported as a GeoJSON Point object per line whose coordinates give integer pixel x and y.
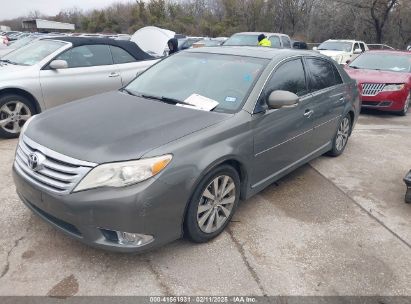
{"type": "Point", "coordinates": [114, 74]}
{"type": "Point", "coordinates": [308, 113]}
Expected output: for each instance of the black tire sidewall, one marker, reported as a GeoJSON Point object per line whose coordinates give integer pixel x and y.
{"type": "Point", "coordinates": [191, 229]}
{"type": "Point", "coordinates": [14, 97]}
{"type": "Point", "coordinates": [334, 151]}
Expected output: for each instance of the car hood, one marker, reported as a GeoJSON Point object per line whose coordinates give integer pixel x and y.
{"type": "Point", "coordinates": [115, 127]}
{"type": "Point", "coordinates": [152, 40]}
{"type": "Point", "coordinates": [372, 76]}
{"type": "Point", "coordinates": [331, 53]}
{"type": "Point", "coordinates": [11, 71]}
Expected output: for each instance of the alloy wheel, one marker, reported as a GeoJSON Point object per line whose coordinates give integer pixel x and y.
{"type": "Point", "coordinates": [13, 115]}
{"type": "Point", "coordinates": [216, 204]}
{"type": "Point", "coordinates": [342, 134]}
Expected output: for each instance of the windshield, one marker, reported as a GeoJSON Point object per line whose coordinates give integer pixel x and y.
{"type": "Point", "coordinates": [33, 53]}
{"type": "Point", "coordinates": [383, 61]}
{"type": "Point", "coordinates": [336, 46]}
{"type": "Point", "coordinates": [239, 39]}
{"type": "Point", "coordinates": [226, 79]}
{"type": "Point", "coordinates": [22, 42]}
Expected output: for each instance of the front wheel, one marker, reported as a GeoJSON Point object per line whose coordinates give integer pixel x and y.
{"type": "Point", "coordinates": [341, 138]}
{"type": "Point", "coordinates": [407, 103]}
{"type": "Point", "coordinates": [15, 110]}
{"type": "Point", "coordinates": [212, 205]}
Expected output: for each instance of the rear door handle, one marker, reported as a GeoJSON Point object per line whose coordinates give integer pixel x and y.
{"type": "Point", "coordinates": [308, 113]}
{"type": "Point", "coordinates": [114, 74]}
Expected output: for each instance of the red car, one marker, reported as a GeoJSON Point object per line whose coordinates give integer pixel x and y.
{"type": "Point", "coordinates": [384, 80]}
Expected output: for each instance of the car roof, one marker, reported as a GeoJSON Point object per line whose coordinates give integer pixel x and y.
{"type": "Point", "coordinates": [258, 33]}
{"type": "Point", "coordinates": [345, 40]}
{"type": "Point", "coordinates": [256, 52]}
{"type": "Point", "coordinates": [129, 46]}
{"type": "Point", "coordinates": [398, 52]}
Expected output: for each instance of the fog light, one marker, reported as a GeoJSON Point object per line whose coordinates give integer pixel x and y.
{"type": "Point", "coordinates": [134, 239]}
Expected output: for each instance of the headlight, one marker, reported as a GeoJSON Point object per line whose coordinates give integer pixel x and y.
{"type": "Point", "coordinates": [26, 124]}
{"type": "Point", "coordinates": [124, 173]}
{"type": "Point", "coordinates": [393, 87]}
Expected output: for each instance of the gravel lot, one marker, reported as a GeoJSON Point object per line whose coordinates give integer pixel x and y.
{"type": "Point", "coordinates": [338, 226]}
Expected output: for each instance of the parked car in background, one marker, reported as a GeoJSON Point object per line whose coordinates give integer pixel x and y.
{"type": "Point", "coordinates": [153, 40]}
{"type": "Point", "coordinates": [379, 47]}
{"type": "Point", "coordinates": [174, 151]}
{"type": "Point", "coordinates": [384, 79]}
{"type": "Point", "coordinates": [209, 42]}
{"type": "Point", "coordinates": [187, 42]}
{"type": "Point", "coordinates": [342, 51]}
{"type": "Point", "coordinates": [50, 72]}
{"type": "Point", "coordinates": [251, 39]}
{"type": "Point", "coordinates": [4, 41]}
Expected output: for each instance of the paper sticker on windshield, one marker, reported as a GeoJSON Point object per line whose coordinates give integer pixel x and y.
{"type": "Point", "coordinates": [201, 102]}
{"type": "Point", "coordinates": [230, 99]}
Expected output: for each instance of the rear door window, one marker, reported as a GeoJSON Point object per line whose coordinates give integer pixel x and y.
{"type": "Point", "coordinates": [87, 56]}
{"type": "Point", "coordinates": [121, 56]}
{"type": "Point", "coordinates": [362, 47]}
{"type": "Point", "coordinates": [323, 74]}
{"type": "Point", "coordinates": [286, 42]}
{"type": "Point", "coordinates": [275, 41]}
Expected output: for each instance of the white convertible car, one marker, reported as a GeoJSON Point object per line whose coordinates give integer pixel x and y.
{"type": "Point", "coordinates": [50, 72]}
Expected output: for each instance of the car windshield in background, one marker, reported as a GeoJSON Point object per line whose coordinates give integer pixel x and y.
{"type": "Point", "coordinates": [384, 62]}
{"type": "Point", "coordinates": [250, 40]}
{"type": "Point", "coordinates": [226, 79]}
{"type": "Point", "coordinates": [336, 46]}
{"type": "Point", "coordinates": [33, 53]}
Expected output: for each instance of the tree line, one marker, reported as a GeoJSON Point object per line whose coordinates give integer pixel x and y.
{"type": "Point", "coordinates": [374, 21]}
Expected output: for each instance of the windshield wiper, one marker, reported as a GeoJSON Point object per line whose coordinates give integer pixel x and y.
{"type": "Point", "coordinates": [166, 99]}
{"type": "Point", "coordinates": [128, 92]}
{"type": "Point", "coordinates": [8, 61]}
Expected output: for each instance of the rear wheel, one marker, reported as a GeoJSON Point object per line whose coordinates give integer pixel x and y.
{"type": "Point", "coordinates": [341, 138]}
{"type": "Point", "coordinates": [404, 111]}
{"type": "Point", "coordinates": [212, 205]}
{"type": "Point", "coordinates": [15, 110]}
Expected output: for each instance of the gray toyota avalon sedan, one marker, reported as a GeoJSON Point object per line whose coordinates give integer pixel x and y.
{"type": "Point", "coordinates": [172, 153]}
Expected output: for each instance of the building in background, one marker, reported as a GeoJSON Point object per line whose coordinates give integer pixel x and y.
{"type": "Point", "coordinates": [40, 25]}
{"type": "Point", "coordinates": [5, 28]}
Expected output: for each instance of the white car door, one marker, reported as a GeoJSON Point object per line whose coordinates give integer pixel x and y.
{"type": "Point", "coordinates": [127, 64]}
{"type": "Point", "coordinates": [90, 71]}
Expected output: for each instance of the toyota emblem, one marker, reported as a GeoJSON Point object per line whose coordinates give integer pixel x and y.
{"type": "Point", "coordinates": [35, 161]}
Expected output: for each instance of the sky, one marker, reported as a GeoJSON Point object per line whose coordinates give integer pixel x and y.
{"type": "Point", "coordinates": [17, 8]}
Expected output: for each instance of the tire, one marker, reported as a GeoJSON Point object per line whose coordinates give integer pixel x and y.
{"type": "Point", "coordinates": [15, 110]}
{"type": "Point", "coordinates": [407, 103]}
{"type": "Point", "coordinates": [341, 137]}
{"type": "Point", "coordinates": [408, 196]}
{"type": "Point", "coordinates": [203, 225]}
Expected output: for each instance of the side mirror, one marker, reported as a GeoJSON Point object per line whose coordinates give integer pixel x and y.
{"type": "Point", "coordinates": [357, 51]}
{"type": "Point", "coordinates": [58, 64]}
{"type": "Point", "coordinates": [315, 48]}
{"type": "Point", "coordinates": [348, 62]}
{"type": "Point", "coordinates": [282, 99]}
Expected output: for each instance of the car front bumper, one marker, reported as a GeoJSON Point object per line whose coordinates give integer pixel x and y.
{"type": "Point", "coordinates": [386, 101]}
{"type": "Point", "coordinates": [150, 208]}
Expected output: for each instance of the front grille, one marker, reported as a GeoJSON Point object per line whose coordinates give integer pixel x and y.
{"type": "Point", "coordinates": [58, 173]}
{"type": "Point", "coordinates": [372, 89]}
